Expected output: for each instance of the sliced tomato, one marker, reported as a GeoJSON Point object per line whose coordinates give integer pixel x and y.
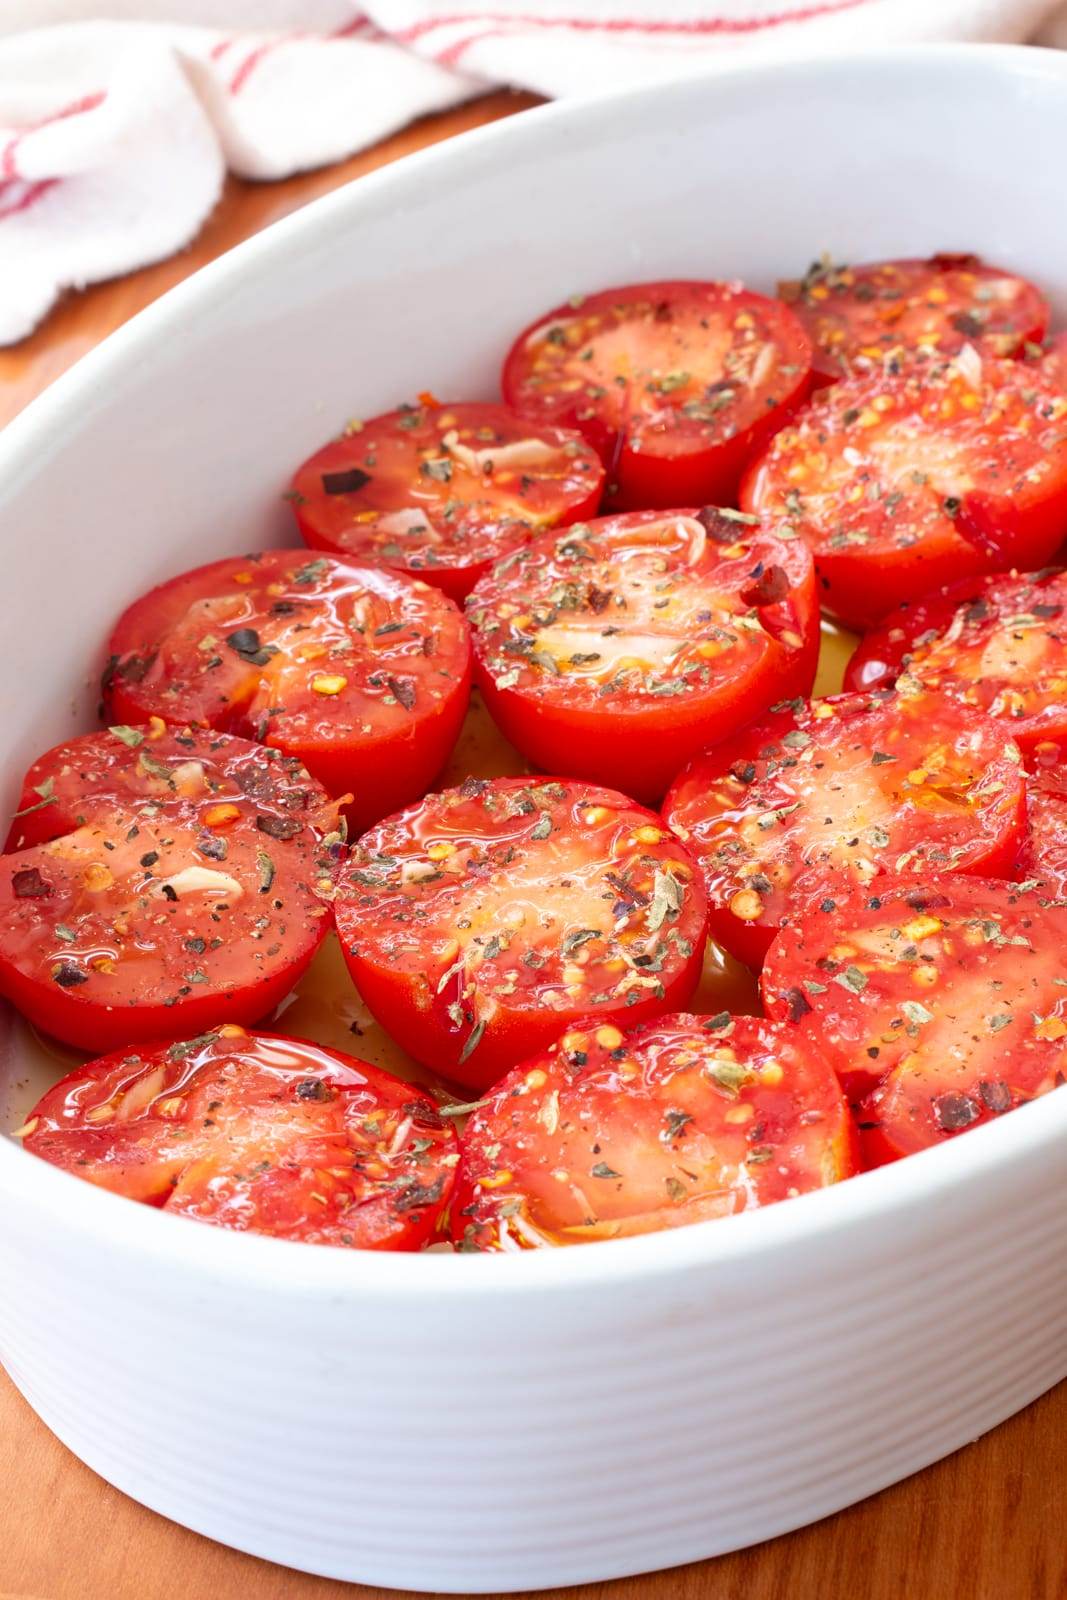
{"type": "Point", "coordinates": [996, 643]}
{"type": "Point", "coordinates": [443, 491]}
{"type": "Point", "coordinates": [619, 649]}
{"type": "Point", "coordinates": [176, 910]}
{"type": "Point", "coordinates": [857, 785]}
{"type": "Point", "coordinates": [360, 673]}
{"type": "Point", "coordinates": [943, 1003]}
{"type": "Point", "coordinates": [858, 317]}
{"type": "Point", "coordinates": [98, 773]}
{"type": "Point", "coordinates": [256, 1133]}
{"type": "Point", "coordinates": [901, 482]}
{"type": "Point", "coordinates": [1052, 360]}
{"type": "Point", "coordinates": [681, 1120]}
{"type": "Point", "coordinates": [481, 922]}
{"type": "Point", "coordinates": [1042, 854]}
{"type": "Point", "coordinates": [675, 385]}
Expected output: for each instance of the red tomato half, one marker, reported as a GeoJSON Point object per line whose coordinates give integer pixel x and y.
{"type": "Point", "coordinates": [256, 1133]}
{"type": "Point", "coordinates": [675, 385]}
{"type": "Point", "coordinates": [480, 923]}
{"type": "Point", "coordinates": [619, 649]}
{"type": "Point", "coordinates": [903, 482]}
{"type": "Point", "coordinates": [173, 883]}
{"type": "Point", "coordinates": [361, 673]}
{"type": "Point", "coordinates": [998, 643]}
{"type": "Point", "coordinates": [682, 1120]}
{"type": "Point", "coordinates": [857, 317]}
{"type": "Point", "coordinates": [444, 491]}
{"type": "Point", "coordinates": [858, 785]}
{"type": "Point", "coordinates": [943, 1002]}
{"type": "Point", "coordinates": [1053, 360]}
{"type": "Point", "coordinates": [1043, 851]}
{"type": "Point", "coordinates": [98, 773]}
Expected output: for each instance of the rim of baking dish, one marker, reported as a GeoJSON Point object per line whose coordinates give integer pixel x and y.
{"type": "Point", "coordinates": [915, 1182]}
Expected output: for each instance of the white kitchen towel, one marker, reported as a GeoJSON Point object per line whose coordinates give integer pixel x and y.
{"type": "Point", "coordinates": [119, 118]}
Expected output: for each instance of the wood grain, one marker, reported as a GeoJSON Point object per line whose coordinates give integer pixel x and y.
{"type": "Point", "coordinates": [987, 1524]}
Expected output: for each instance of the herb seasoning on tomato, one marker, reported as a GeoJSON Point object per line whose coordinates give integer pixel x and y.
{"type": "Point", "coordinates": [255, 1133]}
{"type": "Point", "coordinates": [618, 649]}
{"type": "Point", "coordinates": [681, 1120]}
{"type": "Point", "coordinates": [361, 673]}
{"type": "Point", "coordinates": [170, 880]}
{"type": "Point", "coordinates": [858, 785]}
{"type": "Point", "coordinates": [996, 643]}
{"type": "Point", "coordinates": [124, 766]}
{"type": "Point", "coordinates": [903, 481]}
{"type": "Point", "coordinates": [442, 491]}
{"type": "Point", "coordinates": [481, 922]}
{"type": "Point", "coordinates": [942, 1002]}
{"type": "Point", "coordinates": [675, 385]}
{"type": "Point", "coordinates": [859, 317]}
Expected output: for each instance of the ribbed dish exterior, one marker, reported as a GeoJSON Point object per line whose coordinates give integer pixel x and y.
{"type": "Point", "coordinates": [516, 1434]}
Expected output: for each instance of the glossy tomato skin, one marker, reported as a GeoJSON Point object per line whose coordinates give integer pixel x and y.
{"type": "Point", "coordinates": [674, 384]}
{"type": "Point", "coordinates": [442, 491]}
{"type": "Point", "coordinates": [680, 1120]}
{"type": "Point", "coordinates": [94, 773]}
{"type": "Point", "coordinates": [360, 673]}
{"type": "Point", "coordinates": [997, 643]}
{"type": "Point", "coordinates": [904, 481]}
{"type": "Point", "coordinates": [620, 649]}
{"type": "Point", "coordinates": [852, 787]}
{"type": "Point", "coordinates": [173, 879]}
{"type": "Point", "coordinates": [858, 317]}
{"type": "Point", "coordinates": [938, 1005]}
{"type": "Point", "coordinates": [1042, 856]}
{"type": "Point", "coordinates": [478, 924]}
{"type": "Point", "coordinates": [257, 1133]}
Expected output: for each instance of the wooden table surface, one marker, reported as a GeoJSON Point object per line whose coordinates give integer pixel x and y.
{"type": "Point", "coordinates": [988, 1524]}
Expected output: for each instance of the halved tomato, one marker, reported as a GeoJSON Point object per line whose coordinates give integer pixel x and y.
{"type": "Point", "coordinates": [620, 648]}
{"type": "Point", "coordinates": [98, 773]}
{"type": "Point", "coordinates": [178, 909]}
{"type": "Point", "coordinates": [858, 317]}
{"type": "Point", "coordinates": [481, 922]}
{"type": "Point", "coordinates": [256, 1133]}
{"type": "Point", "coordinates": [943, 1002]}
{"type": "Point", "coordinates": [997, 643]}
{"type": "Point", "coordinates": [682, 1120]}
{"type": "Point", "coordinates": [900, 482]}
{"type": "Point", "coordinates": [675, 385]}
{"type": "Point", "coordinates": [1052, 359]}
{"type": "Point", "coordinates": [857, 785]}
{"type": "Point", "coordinates": [360, 673]}
{"type": "Point", "coordinates": [442, 491]}
{"type": "Point", "coordinates": [1042, 854]}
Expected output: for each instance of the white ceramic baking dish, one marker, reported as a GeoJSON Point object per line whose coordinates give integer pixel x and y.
{"type": "Point", "coordinates": [493, 1423]}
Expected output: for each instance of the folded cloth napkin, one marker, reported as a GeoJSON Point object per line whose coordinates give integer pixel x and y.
{"type": "Point", "coordinates": [120, 118]}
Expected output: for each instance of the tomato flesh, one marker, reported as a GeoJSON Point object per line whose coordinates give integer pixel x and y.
{"type": "Point", "coordinates": [681, 1120]}
{"type": "Point", "coordinates": [361, 673]}
{"type": "Point", "coordinates": [1042, 854]}
{"type": "Point", "coordinates": [481, 922]}
{"type": "Point", "coordinates": [902, 482]}
{"type": "Point", "coordinates": [856, 785]}
{"type": "Point", "coordinates": [941, 1003]}
{"type": "Point", "coordinates": [619, 649]}
{"type": "Point", "coordinates": [673, 384]}
{"type": "Point", "coordinates": [859, 317]}
{"type": "Point", "coordinates": [443, 491]}
{"type": "Point", "coordinates": [169, 883]}
{"type": "Point", "coordinates": [99, 772]}
{"type": "Point", "coordinates": [256, 1133]}
{"type": "Point", "coordinates": [996, 643]}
